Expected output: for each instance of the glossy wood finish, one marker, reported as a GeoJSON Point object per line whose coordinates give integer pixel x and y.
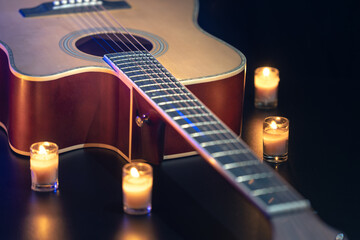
{"type": "Point", "coordinates": [93, 110]}
{"type": "Point", "coordinates": [79, 102]}
{"type": "Point", "coordinates": [86, 108]}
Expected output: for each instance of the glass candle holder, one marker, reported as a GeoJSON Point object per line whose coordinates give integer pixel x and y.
{"type": "Point", "coordinates": [137, 185]}
{"type": "Point", "coordinates": [44, 162]}
{"type": "Point", "coordinates": [275, 139]}
{"type": "Point", "coordinates": [266, 83]}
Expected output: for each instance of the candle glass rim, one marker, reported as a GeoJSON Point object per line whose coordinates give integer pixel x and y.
{"type": "Point", "coordinates": [50, 147]}
{"type": "Point", "coordinates": [281, 122]}
{"type": "Point", "coordinates": [143, 168]}
{"type": "Point", "coordinates": [273, 70]}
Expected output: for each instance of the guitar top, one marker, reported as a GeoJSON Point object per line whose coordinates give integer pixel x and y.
{"type": "Point", "coordinates": [178, 42]}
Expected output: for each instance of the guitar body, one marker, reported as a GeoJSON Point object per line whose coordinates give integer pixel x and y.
{"type": "Point", "coordinates": [52, 89]}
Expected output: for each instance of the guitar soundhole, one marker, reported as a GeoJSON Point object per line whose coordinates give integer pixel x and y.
{"type": "Point", "coordinates": [101, 44]}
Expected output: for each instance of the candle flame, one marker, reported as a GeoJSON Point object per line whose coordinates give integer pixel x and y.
{"type": "Point", "coordinates": [134, 172]}
{"type": "Point", "coordinates": [266, 72]}
{"type": "Point", "coordinates": [273, 125]}
{"type": "Point", "coordinates": [42, 150]}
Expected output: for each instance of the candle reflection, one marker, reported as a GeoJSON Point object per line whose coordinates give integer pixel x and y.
{"type": "Point", "coordinates": [45, 218]}
{"type": "Point", "coordinates": [42, 226]}
{"type": "Point", "coordinates": [134, 228]}
{"type": "Point", "coordinates": [254, 131]}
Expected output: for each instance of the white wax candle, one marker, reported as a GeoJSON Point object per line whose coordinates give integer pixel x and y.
{"type": "Point", "coordinates": [44, 165]}
{"type": "Point", "coordinates": [276, 136]}
{"type": "Point", "coordinates": [266, 83]}
{"type": "Point", "coordinates": [137, 191]}
{"type": "Point", "coordinates": [275, 141]}
{"type": "Point", "coordinates": [137, 186]}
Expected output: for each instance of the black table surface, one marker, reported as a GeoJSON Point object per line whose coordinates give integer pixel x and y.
{"type": "Point", "coordinates": [313, 46]}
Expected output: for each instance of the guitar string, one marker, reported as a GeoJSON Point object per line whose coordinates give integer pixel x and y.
{"type": "Point", "coordinates": [86, 28]}
{"type": "Point", "coordinates": [129, 34]}
{"type": "Point", "coordinates": [105, 30]}
{"type": "Point", "coordinates": [97, 25]}
{"type": "Point", "coordinates": [106, 21]}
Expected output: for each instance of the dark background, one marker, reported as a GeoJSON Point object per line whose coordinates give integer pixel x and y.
{"type": "Point", "coordinates": [313, 44]}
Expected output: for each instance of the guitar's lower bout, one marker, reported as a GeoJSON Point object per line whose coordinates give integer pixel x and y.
{"type": "Point", "coordinates": [92, 109]}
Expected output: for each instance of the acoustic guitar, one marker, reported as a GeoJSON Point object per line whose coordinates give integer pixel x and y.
{"type": "Point", "coordinates": [140, 78]}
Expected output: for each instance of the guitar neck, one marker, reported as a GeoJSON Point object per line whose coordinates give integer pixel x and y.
{"type": "Point", "coordinates": [217, 144]}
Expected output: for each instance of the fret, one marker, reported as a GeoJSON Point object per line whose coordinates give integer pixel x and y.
{"type": "Point", "coordinates": [173, 95]}
{"type": "Point", "coordinates": [127, 55]}
{"type": "Point", "coordinates": [123, 65]}
{"type": "Point", "coordinates": [229, 152]}
{"type": "Point", "coordinates": [286, 206]}
{"type": "Point", "coordinates": [241, 164]}
{"type": "Point", "coordinates": [136, 60]}
{"type": "Point", "coordinates": [208, 133]}
{"type": "Point", "coordinates": [244, 178]}
{"type": "Point", "coordinates": [167, 86]}
{"type": "Point", "coordinates": [145, 69]}
{"type": "Point", "coordinates": [125, 60]}
{"type": "Point", "coordinates": [129, 66]}
{"type": "Point", "coordinates": [184, 108]}
{"type": "Point", "coordinates": [188, 111]}
{"type": "Point", "coordinates": [198, 124]}
{"type": "Point", "coordinates": [156, 90]}
{"type": "Point", "coordinates": [177, 105]}
{"type": "Point", "coordinates": [158, 84]}
{"type": "Point", "coordinates": [218, 142]}
{"type": "Point", "coordinates": [269, 190]}
{"type": "Point", "coordinates": [177, 101]}
{"type": "Point", "coordinates": [137, 81]}
{"type": "Point", "coordinates": [189, 116]}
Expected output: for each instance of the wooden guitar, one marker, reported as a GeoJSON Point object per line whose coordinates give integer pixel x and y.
{"type": "Point", "coordinates": [141, 78]}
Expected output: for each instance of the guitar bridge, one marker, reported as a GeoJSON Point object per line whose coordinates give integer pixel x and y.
{"type": "Point", "coordinates": [72, 6]}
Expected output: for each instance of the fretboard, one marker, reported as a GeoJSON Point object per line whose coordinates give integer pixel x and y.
{"type": "Point", "coordinates": [206, 133]}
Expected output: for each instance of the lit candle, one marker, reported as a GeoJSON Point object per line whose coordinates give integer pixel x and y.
{"type": "Point", "coordinates": [44, 162]}
{"type": "Point", "coordinates": [275, 139]}
{"type": "Point", "coordinates": [266, 83]}
{"type": "Point", "coordinates": [137, 187]}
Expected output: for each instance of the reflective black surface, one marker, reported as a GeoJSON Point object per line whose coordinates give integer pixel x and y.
{"type": "Point", "coordinates": [313, 45]}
